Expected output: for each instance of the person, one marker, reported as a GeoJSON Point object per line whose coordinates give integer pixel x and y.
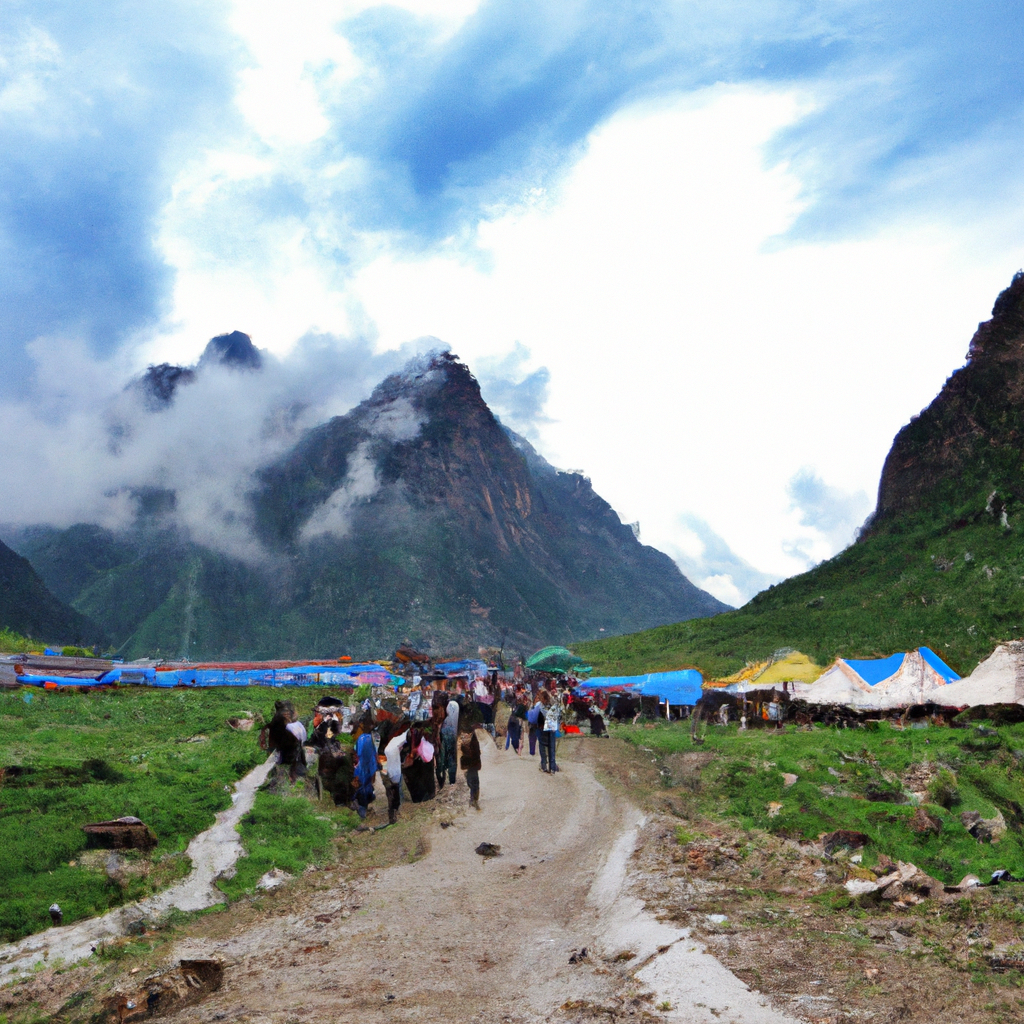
{"type": "Point", "coordinates": [287, 735]}
{"type": "Point", "coordinates": [445, 758]}
{"type": "Point", "coordinates": [549, 733]}
{"type": "Point", "coordinates": [366, 772]}
{"type": "Point", "coordinates": [469, 748]}
{"type": "Point", "coordinates": [775, 711]}
{"type": "Point", "coordinates": [417, 766]}
{"type": "Point", "coordinates": [534, 719]}
{"type": "Point", "coordinates": [514, 729]}
{"type": "Point", "coordinates": [392, 774]}
{"type": "Point", "coordinates": [484, 698]}
{"type": "Point", "coordinates": [723, 714]}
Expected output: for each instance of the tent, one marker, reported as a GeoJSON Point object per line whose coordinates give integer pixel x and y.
{"type": "Point", "coordinates": [679, 687]}
{"type": "Point", "coordinates": [899, 681]}
{"type": "Point", "coordinates": [555, 659]}
{"type": "Point", "coordinates": [999, 679]}
{"type": "Point", "coordinates": [473, 668]}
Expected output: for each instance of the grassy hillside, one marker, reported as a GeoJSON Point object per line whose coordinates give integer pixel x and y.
{"type": "Point", "coordinates": [958, 589]}
{"type": "Point", "coordinates": [167, 756]}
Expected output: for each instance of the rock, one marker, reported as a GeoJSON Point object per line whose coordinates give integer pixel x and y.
{"type": "Point", "coordinates": [985, 830]}
{"type": "Point", "coordinates": [774, 809]}
{"type": "Point", "coordinates": [162, 994]}
{"type": "Point", "coordinates": [273, 878]}
{"type": "Point", "coordinates": [860, 886]}
{"type": "Point", "coordinates": [968, 882]}
{"type": "Point", "coordinates": [242, 724]}
{"type": "Point", "coordinates": [924, 823]}
{"type": "Point", "coordinates": [789, 779]}
{"type": "Point", "coordinates": [488, 850]}
{"type": "Point", "coordinates": [128, 833]}
{"type": "Point", "coordinates": [843, 839]}
{"type": "Point", "coordinates": [885, 864]}
{"type": "Point", "coordinates": [717, 918]}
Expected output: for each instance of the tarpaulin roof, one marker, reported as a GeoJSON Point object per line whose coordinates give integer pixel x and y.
{"type": "Point", "coordinates": [874, 670]}
{"type": "Point", "coordinates": [469, 666]}
{"type": "Point", "coordinates": [680, 687]}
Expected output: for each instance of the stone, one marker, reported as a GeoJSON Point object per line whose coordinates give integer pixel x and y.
{"type": "Point", "coordinates": [843, 839]}
{"type": "Point", "coordinates": [925, 823]}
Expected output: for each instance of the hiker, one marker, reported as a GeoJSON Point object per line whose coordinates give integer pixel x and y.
{"type": "Point", "coordinates": [484, 698]}
{"type": "Point", "coordinates": [391, 776]}
{"type": "Point", "coordinates": [445, 757]}
{"type": "Point", "coordinates": [334, 769]}
{"type": "Point", "coordinates": [366, 771]}
{"type": "Point", "coordinates": [514, 729]}
{"type": "Point", "coordinates": [549, 732]}
{"type": "Point", "coordinates": [534, 718]}
{"type": "Point", "coordinates": [418, 767]}
{"type": "Point", "coordinates": [286, 734]}
{"type": "Point", "coordinates": [469, 748]}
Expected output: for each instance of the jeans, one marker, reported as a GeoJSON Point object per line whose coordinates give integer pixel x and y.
{"type": "Point", "coordinates": [547, 749]}
{"type": "Point", "coordinates": [533, 740]}
{"type": "Point", "coordinates": [514, 736]}
{"type": "Point", "coordinates": [473, 781]}
{"type": "Point", "coordinates": [444, 760]}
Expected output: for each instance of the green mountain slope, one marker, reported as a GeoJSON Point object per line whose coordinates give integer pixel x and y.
{"type": "Point", "coordinates": [28, 608]}
{"type": "Point", "coordinates": [941, 562]}
{"type": "Point", "coordinates": [415, 517]}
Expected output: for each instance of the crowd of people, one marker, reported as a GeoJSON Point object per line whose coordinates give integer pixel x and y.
{"type": "Point", "coordinates": [418, 740]}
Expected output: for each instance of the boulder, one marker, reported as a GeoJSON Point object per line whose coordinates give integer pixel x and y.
{"type": "Point", "coordinates": [843, 839]}
{"type": "Point", "coordinates": [985, 830]}
{"type": "Point", "coordinates": [128, 833]}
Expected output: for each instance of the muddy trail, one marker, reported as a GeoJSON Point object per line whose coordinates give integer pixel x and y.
{"type": "Point", "coordinates": [547, 930]}
{"type": "Point", "coordinates": [212, 853]}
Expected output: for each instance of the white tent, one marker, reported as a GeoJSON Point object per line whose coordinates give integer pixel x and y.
{"type": "Point", "coordinates": [999, 679]}
{"type": "Point", "coordinates": [881, 684]}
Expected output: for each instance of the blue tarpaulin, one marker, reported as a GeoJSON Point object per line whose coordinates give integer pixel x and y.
{"type": "Point", "coordinates": [874, 670]}
{"type": "Point", "coordinates": [680, 687]}
{"type": "Point", "coordinates": [469, 667]}
{"type": "Point", "coordinates": [938, 664]}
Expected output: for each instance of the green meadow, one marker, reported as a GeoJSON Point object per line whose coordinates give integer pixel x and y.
{"type": "Point", "coordinates": [854, 779]}
{"type": "Point", "coordinates": [166, 756]}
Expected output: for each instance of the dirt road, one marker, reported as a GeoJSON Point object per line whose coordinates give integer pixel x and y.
{"type": "Point", "coordinates": [455, 937]}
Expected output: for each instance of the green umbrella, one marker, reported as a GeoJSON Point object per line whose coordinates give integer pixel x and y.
{"type": "Point", "coordinates": [555, 659]}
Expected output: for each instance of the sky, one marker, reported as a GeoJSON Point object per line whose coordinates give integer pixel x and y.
{"type": "Point", "coordinates": [713, 255]}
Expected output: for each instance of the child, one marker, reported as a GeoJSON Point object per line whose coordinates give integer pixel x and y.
{"type": "Point", "coordinates": [469, 748]}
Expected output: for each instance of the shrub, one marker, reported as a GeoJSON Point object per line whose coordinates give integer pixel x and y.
{"type": "Point", "coordinates": [943, 789]}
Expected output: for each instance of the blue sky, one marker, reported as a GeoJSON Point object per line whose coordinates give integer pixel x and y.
{"type": "Point", "coordinates": [376, 174]}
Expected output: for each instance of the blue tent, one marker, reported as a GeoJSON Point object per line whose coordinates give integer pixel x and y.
{"type": "Point", "coordinates": [680, 687]}
{"type": "Point", "coordinates": [874, 670]}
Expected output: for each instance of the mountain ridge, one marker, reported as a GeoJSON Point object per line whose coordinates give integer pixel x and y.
{"type": "Point", "coordinates": [414, 517]}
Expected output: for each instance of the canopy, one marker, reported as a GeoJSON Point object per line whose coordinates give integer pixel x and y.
{"type": "Point", "coordinates": [555, 659]}
{"type": "Point", "coordinates": [680, 687]}
{"type": "Point", "coordinates": [469, 667]}
{"type": "Point", "coordinates": [899, 681]}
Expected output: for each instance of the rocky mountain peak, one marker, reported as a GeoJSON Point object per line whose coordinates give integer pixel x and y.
{"type": "Point", "coordinates": [967, 448]}
{"type": "Point", "coordinates": [235, 350]}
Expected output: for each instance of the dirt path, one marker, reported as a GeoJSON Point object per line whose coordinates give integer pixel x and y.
{"type": "Point", "coordinates": [454, 937]}
{"type": "Point", "coordinates": [212, 853]}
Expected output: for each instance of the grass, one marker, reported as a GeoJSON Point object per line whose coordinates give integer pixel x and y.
{"type": "Point", "coordinates": [15, 643]}
{"type": "Point", "coordinates": [851, 779]}
{"type": "Point", "coordinates": [167, 757]}
{"type": "Point", "coordinates": [285, 832]}
{"type": "Point", "coordinates": [958, 589]}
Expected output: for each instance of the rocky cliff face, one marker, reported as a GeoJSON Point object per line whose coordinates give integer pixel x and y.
{"type": "Point", "coordinates": [964, 454]}
{"type": "Point", "coordinates": [415, 517]}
